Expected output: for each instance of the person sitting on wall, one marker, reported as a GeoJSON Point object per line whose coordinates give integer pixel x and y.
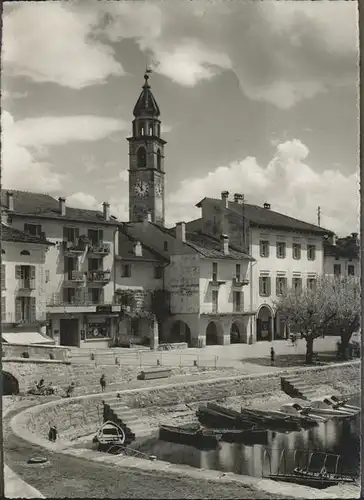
{"type": "Point", "coordinates": [41, 386]}
{"type": "Point", "coordinates": [51, 389]}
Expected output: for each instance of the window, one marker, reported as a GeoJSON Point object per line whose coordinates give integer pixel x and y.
{"type": "Point", "coordinates": [25, 309]}
{"type": "Point", "coordinates": [25, 276]}
{"type": "Point", "coordinates": [297, 285]}
{"type": "Point", "coordinates": [237, 301]}
{"type": "Point", "coordinates": [281, 286]}
{"type": "Point", "coordinates": [3, 277]}
{"type": "Point", "coordinates": [33, 229]}
{"type": "Point", "coordinates": [71, 234]}
{"type": "Point", "coordinates": [69, 295]}
{"type": "Point", "coordinates": [95, 295]}
{"type": "Point", "coordinates": [150, 129]}
{"type": "Point", "coordinates": [3, 308]}
{"type": "Point", "coordinates": [337, 269]}
{"type": "Point", "coordinates": [311, 283]}
{"type": "Point", "coordinates": [311, 252]}
{"type": "Point", "coordinates": [95, 264]}
{"type": "Point", "coordinates": [351, 270]}
{"type": "Point", "coordinates": [214, 271]}
{"type": "Point", "coordinates": [159, 160]}
{"type": "Point", "coordinates": [264, 248]}
{"type": "Point", "coordinates": [47, 276]}
{"type": "Point", "coordinates": [158, 272]}
{"type": "Point", "coordinates": [142, 158]}
{"type": "Point", "coordinates": [264, 286]}
{"type": "Point", "coordinates": [24, 252]}
{"type": "Point", "coordinates": [95, 236]}
{"type": "Point", "coordinates": [296, 251]}
{"type": "Point", "coordinates": [126, 271]}
{"type": "Point", "coordinates": [237, 272]}
{"type": "Point", "coordinates": [215, 301]}
{"type": "Point", "coordinates": [281, 250]}
{"type": "Point", "coordinates": [165, 246]}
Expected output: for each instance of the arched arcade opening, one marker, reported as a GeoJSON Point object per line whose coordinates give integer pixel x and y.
{"type": "Point", "coordinates": [238, 332]}
{"type": "Point", "coordinates": [265, 324]}
{"type": "Point", "coordinates": [180, 332]}
{"type": "Point", "coordinates": [9, 383]}
{"type": "Point", "coordinates": [214, 333]}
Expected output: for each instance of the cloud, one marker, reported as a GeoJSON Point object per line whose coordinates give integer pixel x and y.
{"type": "Point", "coordinates": [281, 52]}
{"type": "Point", "coordinates": [51, 130]}
{"type": "Point", "coordinates": [287, 182]}
{"type": "Point", "coordinates": [53, 42]}
{"type": "Point", "coordinates": [25, 146]}
{"type": "Point", "coordinates": [119, 206]}
{"type": "Point", "coordinates": [21, 170]}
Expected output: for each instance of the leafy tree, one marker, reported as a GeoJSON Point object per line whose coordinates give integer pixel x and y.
{"type": "Point", "coordinates": [312, 310]}
{"type": "Point", "coordinates": [348, 308]}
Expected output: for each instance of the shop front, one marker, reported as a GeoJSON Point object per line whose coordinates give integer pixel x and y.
{"type": "Point", "coordinates": [94, 329]}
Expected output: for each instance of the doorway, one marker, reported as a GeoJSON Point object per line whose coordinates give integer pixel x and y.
{"type": "Point", "coordinates": [69, 332]}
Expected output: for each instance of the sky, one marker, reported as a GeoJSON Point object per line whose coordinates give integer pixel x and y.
{"type": "Point", "coordinates": [259, 98]}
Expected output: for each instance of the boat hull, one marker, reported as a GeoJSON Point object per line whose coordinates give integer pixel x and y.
{"type": "Point", "coordinates": [192, 437]}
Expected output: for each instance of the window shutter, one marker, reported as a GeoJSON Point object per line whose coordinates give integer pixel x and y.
{"type": "Point", "coordinates": [268, 286]}
{"type": "Point", "coordinates": [3, 309]}
{"type": "Point", "coordinates": [277, 286]}
{"type": "Point", "coordinates": [3, 278]}
{"type": "Point", "coordinates": [17, 272]}
{"type": "Point", "coordinates": [18, 309]}
{"type": "Point", "coordinates": [77, 232]}
{"type": "Point", "coordinates": [32, 272]}
{"type": "Point", "coordinates": [101, 235]}
{"type": "Point", "coordinates": [260, 286]}
{"type": "Point", "coordinates": [39, 229]}
{"type": "Point", "coordinates": [33, 311]}
{"type": "Point", "coordinates": [66, 265]}
{"type": "Point", "coordinates": [65, 233]}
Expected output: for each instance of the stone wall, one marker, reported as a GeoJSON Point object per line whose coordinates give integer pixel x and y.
{"type": "Point", "coordinates": [35, 351]}
{"type": "Point", "coordinates": [84, 412]}
{"type": "Point", "coordinates": [28, 371]}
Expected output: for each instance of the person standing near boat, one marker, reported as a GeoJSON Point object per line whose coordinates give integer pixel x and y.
{"type": "Point", "coordinates": [103, 383]}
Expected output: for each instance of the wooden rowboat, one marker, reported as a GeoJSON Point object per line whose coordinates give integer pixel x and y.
{"type": "Point", "coordinates": [108, 435]}
{"type": "Point", "coordinates": [192, 435]}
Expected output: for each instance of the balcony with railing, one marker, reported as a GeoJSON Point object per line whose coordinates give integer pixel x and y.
{"type": "Point", "coordinates": [239, 281]}
{"type": "Point", "coordinates": [74, 278]}
{"type": "Point", "coordinates": [25, 284]}
{"type": "Point", "coordinates": [99, 249]}
{"type": "Point", "coordinates": [98, 277]}
{"type": "Point", "coordinates": [86, 302]}
{"type": "Point", "coordinates": [74, 247]}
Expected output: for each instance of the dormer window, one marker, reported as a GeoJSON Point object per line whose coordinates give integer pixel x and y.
{"type": "Point", "coordinates": [150, 129]}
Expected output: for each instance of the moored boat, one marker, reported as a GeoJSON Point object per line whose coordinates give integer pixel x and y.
{"type": "Point", "coordinates": [109, 434]}
{"type": "Point", "coordinates": [297, 409]}
{"type": "Point", "coordinates": [322, 408]}
{"type": "Point", "coordinates": [341, 404]}
{"type": "Point", "coordinates": [192, 435]}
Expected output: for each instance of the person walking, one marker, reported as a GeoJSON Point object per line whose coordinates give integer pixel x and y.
{"type": "Point", "coordinates": [272, 355]}
{"type": "Point", "coordinates": [103, 382]}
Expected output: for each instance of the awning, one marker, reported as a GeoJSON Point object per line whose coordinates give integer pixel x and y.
{"type": "Point", "coordinates": [25, 338]}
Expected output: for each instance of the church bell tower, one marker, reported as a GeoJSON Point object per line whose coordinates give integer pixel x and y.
{"type": "Point", "coordinates": [146, 160]}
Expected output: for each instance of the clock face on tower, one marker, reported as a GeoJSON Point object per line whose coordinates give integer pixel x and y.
{"type": "Point", "coordinates": [141, 188]}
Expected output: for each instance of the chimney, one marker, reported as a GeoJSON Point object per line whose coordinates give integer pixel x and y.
{"type": "Point", "coordinates": [333, 239]}
{"type": "Point", "coordinates": [106, 210]}
{"type": "Point", "coordinates": [225, 198]}
{"type": "Point", "coordinates": [138, 250]}
{"type": "Point", "coordinates": [181, 231]}
{"type": "Point", "coordinates": [354, 236]}
{"type": "Point", "coordinates": [238, 198]}
{"type": "Point", "coordinates": [266, 206]}
{"type": "Point", "coordinates": [10, 200]}
{"type": "Point", "coordinates": [62, 206]}
{"type": "Point", "coordinates": [225, 243]}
